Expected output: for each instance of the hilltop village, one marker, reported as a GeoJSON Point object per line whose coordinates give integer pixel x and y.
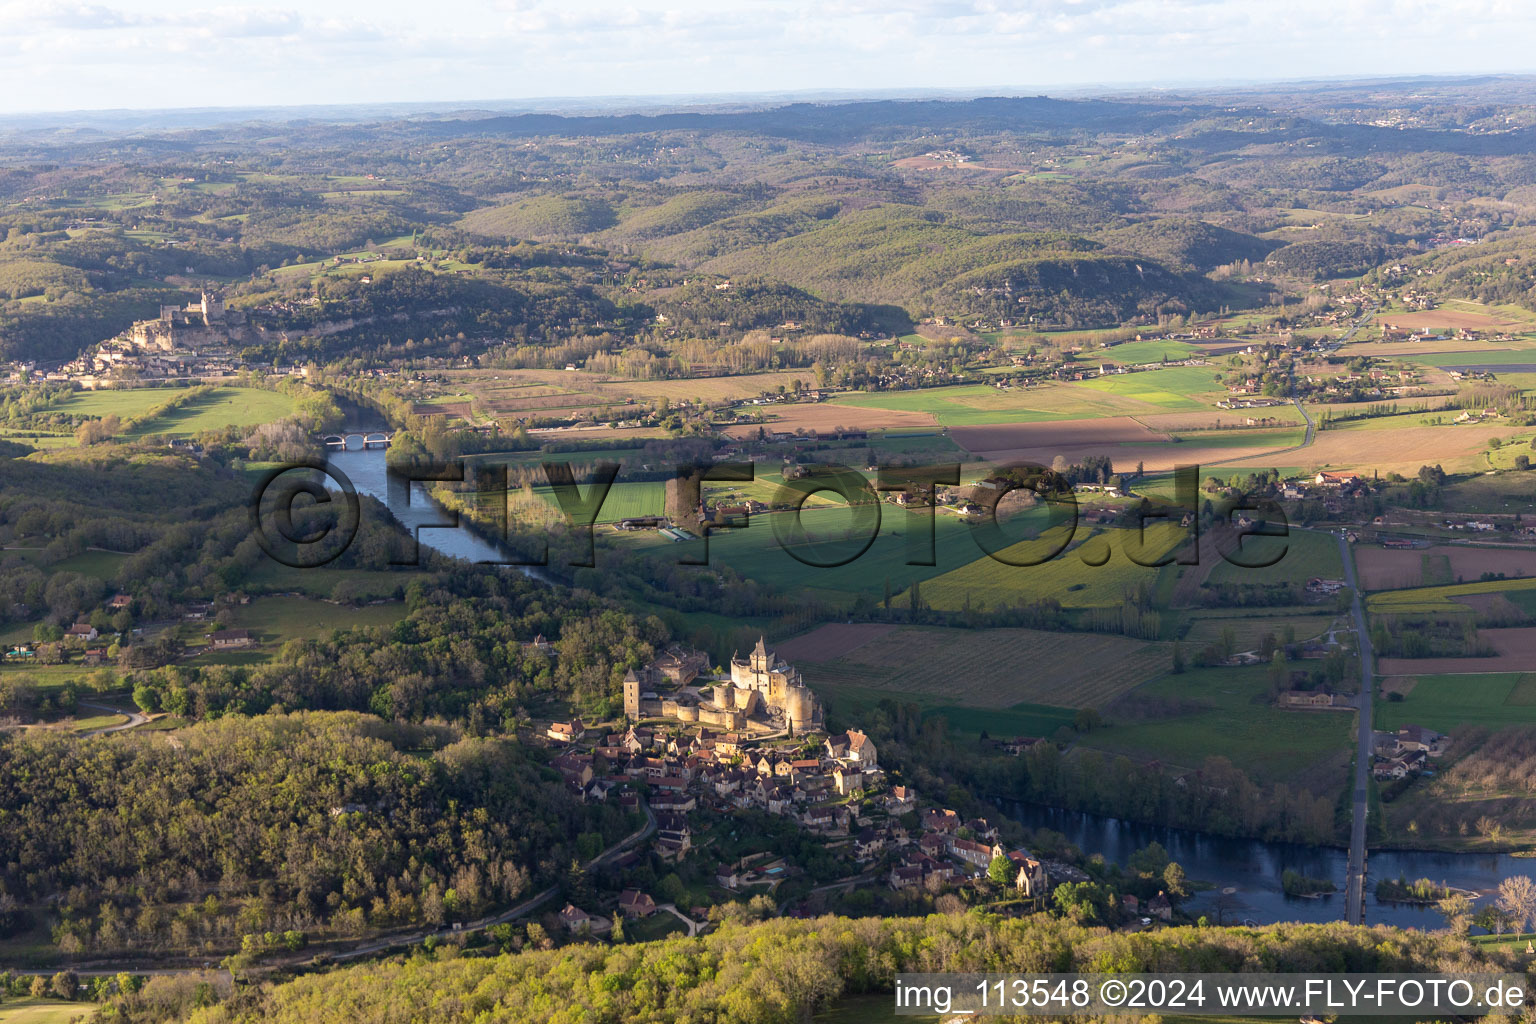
{"type": "Point", "coordinates": [698, 749]}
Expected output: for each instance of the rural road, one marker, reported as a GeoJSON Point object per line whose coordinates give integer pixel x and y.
{"type": "Point", "coordinates": [135, 718]}
{"type": "Point", "coordinates": [671, 908]}
{"type": "Point", "coordinates": [1311, 433]}
{"type": "Point", "coordinates": [1354, 885]}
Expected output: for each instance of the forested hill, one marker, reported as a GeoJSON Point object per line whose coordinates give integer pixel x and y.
{"type": "Point", "coordinates": [774, 972]}
{"type": "Point", "coordinates": [846, 122]}
{"type": "Point", "coordinates": [318, 824]}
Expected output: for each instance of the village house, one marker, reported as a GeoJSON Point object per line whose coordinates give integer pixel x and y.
{"type": "Point", "coordinates": [673, 836]}
{"type": "Point", "coordinates": [635, 903]}
{"type": "Point", "coordinates": [578, 921]}
{"type": "Point", "coordinates": [1408, 764]}
{"type": "Point", "coordinates": [852, 746]}
{"type": "Point", "coordinates": [1302, 699]}
{"type": "Point", "coordinates": [1030, 878]}
{"type": "Point", "coordinates": [1408, 739]}
{"type": "Point", "coordinates": [567, 732]}
{"type": "Point", "coordinates": [845, 780]}
{"type": "Point", "coordinates": [82, 631]}
{"type": "Point", "coordinates": [900, 800]}
{"type": "Point", "coordinates": [574, 767]}
{"type": "Point", "coordinates": [940, 820]}
{"type": "Point", "coordinates": [868, 844]}
{"type": "Point", "coordinates": [972, 852]}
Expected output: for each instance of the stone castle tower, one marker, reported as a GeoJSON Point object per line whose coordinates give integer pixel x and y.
{"type": "Point", "coordinates": [212, 308]}
{"type": "Point", "coordinates": [632, 696]}
{"type": "Point", "coordinates": [779, 685]}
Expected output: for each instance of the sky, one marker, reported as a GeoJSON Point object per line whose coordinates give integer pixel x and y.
{"type": "Point", "coordinates": [61, 55]}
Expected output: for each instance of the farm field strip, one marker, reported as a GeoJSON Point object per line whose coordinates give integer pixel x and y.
{"type": "Point", "coordinates": [1399, 568]}
{"type": "Point", "coordinates": [1067, 578]}
{"type": "Point", "coordinates": [962, 667]}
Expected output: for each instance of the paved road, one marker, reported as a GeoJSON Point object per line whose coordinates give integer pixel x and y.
{"type": "Point", "coordinates": [671, 908]}
{"type": "Point", "coordinates": [135, 718]}
{"type": "Point", "coordinates": [1311, 433]}
{"type": "Point", "coordinates": [1354, 886]}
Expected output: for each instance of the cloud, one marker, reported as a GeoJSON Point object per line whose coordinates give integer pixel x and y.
{"type": "Point", "coordinates": [82, 55]}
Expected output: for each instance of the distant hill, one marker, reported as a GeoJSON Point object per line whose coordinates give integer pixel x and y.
{"type": "Point", "coordinates": [1188, 244]}
{"type": "Point", "coordinates": [1497, 270]}
{"type": "Point", "coordinates": [540, 218]}
{"type": "Point", "coordinates": [927, 261]}
{"type": "Point", "coordinates": [1318, 260]}
{"type": "Point", "coordinates": [686, 212]}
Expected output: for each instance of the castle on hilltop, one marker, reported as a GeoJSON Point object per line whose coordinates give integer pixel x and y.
{"type": "Point", "coordinates": [197, 341]}
{"type": "Point", "coordinates": [763, 692]}
{"type": "Point", "coordinates": [192, 327]}
{"type": "Point", "coordinates": [766, 678]}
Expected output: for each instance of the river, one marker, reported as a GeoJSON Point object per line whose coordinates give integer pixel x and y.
{"type": "Point", "coordinates": [1252, 869]}
{"type": "Point", "coordinates": [416, 510]}
{"type": "Point", "coordinates": [1245, 873]}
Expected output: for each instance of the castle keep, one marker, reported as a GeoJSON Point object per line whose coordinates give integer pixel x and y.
{"type": "Point", "coordinates": [763, 691]}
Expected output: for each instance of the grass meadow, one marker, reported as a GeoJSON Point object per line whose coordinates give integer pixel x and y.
{"type": "Point", "coordinates": [1182, 719]}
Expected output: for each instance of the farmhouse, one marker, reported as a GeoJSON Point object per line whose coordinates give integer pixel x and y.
{"type": "Point", "coordinates": [1313, 699]}
{"type": "Point", "coordinates": [1407, 740]}
{"type": "Point", "coordinates": [227, 638]}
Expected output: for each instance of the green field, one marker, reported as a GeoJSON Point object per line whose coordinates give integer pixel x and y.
{"type": "Point", "coordinates": [985, 582]}
{"type": "Point", "coordinates": [1283, 437]}
{"type": "Point", "coordinates": [755, 553]}
{"type": "Point", "coordinates": [43, 1011]}
{"type": "Point", "coordinates": [96, 722]}
{"type": "Point", "coordinates": [940, 666]}
{"type": "Point", "coordinates": [277, 619]}
{"type": "Point", "coordinates": [1224, 712]}
{"type": "Point", "coordinates": [100, 564]}
{"type": "Point", "coordinates": [1141, 352]}
{"type": "Point", "coordinates": [1249, 625]}
{"type": "Point", "coordinates": [879, 1009]}
{"type": "Point", "coordinates": [1439, 599]}
{"type": "Point", "coordinates": [623, 501]}
{"type": "Point", "coordinates": [1493, 700]}
{"type": "Point", "coordinates": [1494, 354]}
{"type": "Point", "coordinates": [244, 407]}
{"type": "Point", "coordinates": [320, 582]}
{"type": "Point", "coordinates": [1307, 553]}
{"type": "Point", "coordinates": [981, 404]}
{"type": "Point", "coordinates": [52, 677]}
{"type": "Point", "coordinates": [958, 406]}
{"type": "Point", "coordinates": [228, 406]}
{"type": "Point", "coordinates": [1173, 389]}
